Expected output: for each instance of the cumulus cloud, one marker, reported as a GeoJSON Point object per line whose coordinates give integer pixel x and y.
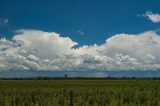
{"type": "Point", "coordinates": [39, 51]}
{"type": "Point", "coordinates": [44, 44]}
{"type": "Point", "coordinates": [152, 16]}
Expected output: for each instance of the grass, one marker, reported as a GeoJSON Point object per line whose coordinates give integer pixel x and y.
{"type": "Point", "coordinates": [86, 92]}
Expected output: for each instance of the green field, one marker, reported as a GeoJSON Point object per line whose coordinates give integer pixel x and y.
{"type": "Point", "coordinates": [85, 92]}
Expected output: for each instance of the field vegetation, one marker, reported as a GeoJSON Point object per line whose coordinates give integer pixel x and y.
{"type": "Point", "coordinates": [85, 92]}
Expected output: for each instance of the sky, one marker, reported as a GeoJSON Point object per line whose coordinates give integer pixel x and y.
{"type": "Point", "coordinates": [79, 35]}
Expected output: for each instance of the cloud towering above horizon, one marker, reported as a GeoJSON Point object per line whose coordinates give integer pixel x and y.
{"type": "Point", "coordinates": [40, 51]}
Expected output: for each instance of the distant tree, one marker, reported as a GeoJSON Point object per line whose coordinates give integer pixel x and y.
{"type": "Point", "coordinates": [65, 75]}
{"type": "Point", "coordinates": [109, 77]}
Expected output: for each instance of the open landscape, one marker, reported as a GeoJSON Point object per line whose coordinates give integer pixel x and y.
{"type": "Point", "coordinates": [95, 92]}
{"type": "Point", "coordinates": [79, 52]}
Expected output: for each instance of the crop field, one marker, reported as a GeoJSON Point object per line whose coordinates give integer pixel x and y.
{"type": "Point", "coordinates": [85, 92]}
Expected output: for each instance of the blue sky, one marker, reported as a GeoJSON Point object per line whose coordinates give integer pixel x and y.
{"type": "Point", "coordinates": [97, 20]}
{"type": "Point", "coordinates": [59, 35]}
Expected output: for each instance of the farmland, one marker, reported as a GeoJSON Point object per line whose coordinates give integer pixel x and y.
{"type": "Point", "coordinates": [85, 92]}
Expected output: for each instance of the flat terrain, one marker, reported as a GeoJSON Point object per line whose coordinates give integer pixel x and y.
{"type": "Point", "coordinates": [85, 92]}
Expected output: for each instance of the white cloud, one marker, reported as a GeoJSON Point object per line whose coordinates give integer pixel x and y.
{"type": "Point", "coordinates": [4, 22]}
{"type": "Point", "coordinates": [152, 16]}
{"type": "Point", "coordinates": [39, 50]}
{"type": "Point", "coordinates": [44, 44]}
{"type": "Point", "coordinates": [81, 32]}
{"type": "Point", "coordinates": [100, 75]}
